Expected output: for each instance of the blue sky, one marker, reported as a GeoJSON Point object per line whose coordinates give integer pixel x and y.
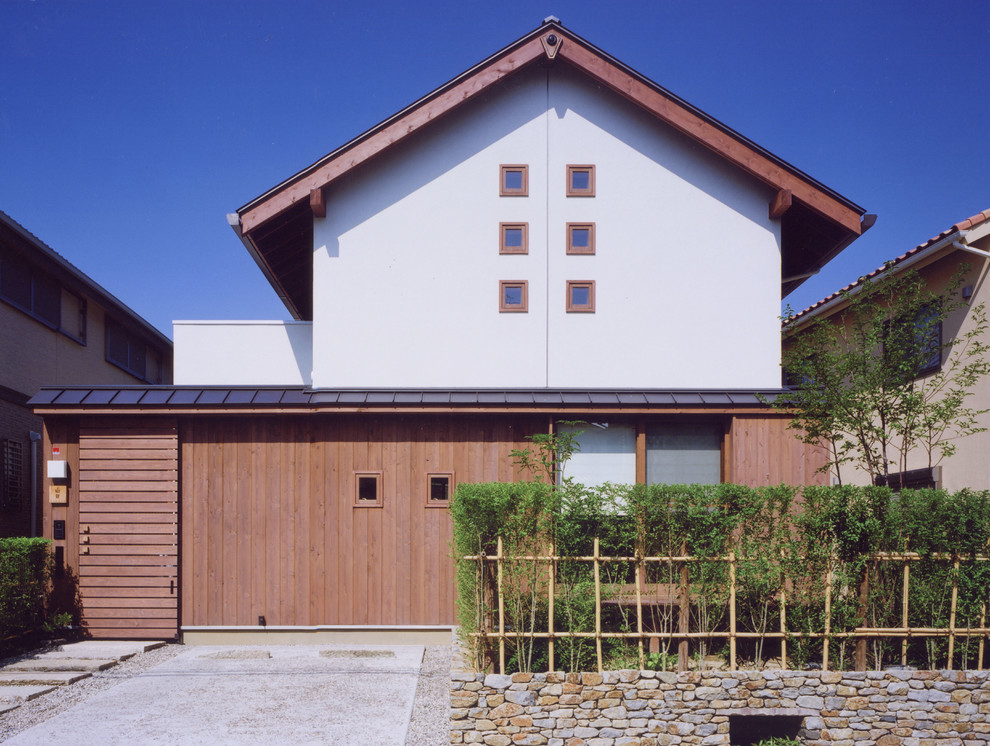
{"type": "Point", "coordinates": [130, 128]}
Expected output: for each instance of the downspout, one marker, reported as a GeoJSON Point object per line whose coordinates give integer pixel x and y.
{"type": "Point", "coordinates": [971, 249]}
{"type": "Point", "coordinates": [35, 437]}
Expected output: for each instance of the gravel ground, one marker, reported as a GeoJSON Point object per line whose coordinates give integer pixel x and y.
{"type": "Point", "coordinates": [428, 726]}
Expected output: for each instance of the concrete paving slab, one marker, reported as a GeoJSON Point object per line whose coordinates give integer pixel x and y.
{"type": "Point", "coordinates": [23, 693]}
{"type": "Point", "coordinates": [210, 695]}
{"type": "Point", "coordinates": [41, 678]}
{"type": "Point", "coordinates": [119, 649]}
{"type": "Point", "coordinates": [61, 664]}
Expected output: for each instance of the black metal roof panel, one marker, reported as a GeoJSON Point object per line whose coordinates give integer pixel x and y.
{"type": "Point", "coordinates": [228, 397]}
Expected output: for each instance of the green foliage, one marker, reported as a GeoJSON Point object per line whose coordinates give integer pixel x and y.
{"type": "Point", "coordinates": [858, 390]}
{"type": "Point", "coordinates": [25, 572]}
{"type": "Point", "coordinates": [803, 544]}
{"type": "Point", "coordinates": [779, 742]}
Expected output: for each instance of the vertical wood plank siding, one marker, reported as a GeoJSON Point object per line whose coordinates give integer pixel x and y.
{"type": "Point", "coordinates": [128, 528]}
{"type": "Point", "coordinates": [765, 452]}
{"type": "Point", "coordinates": [270, 527]}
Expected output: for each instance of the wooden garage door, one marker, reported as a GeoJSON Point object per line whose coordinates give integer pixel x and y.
{"type": "Point", "coordinates": [128, 529]}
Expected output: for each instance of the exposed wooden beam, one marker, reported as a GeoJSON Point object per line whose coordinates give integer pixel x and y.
{"type": "Point", "coordinates": [780, 203]}
{"type": "Point", "coordinates": [317, 203]}
{"type": "Point", "coordinates": [709, 135]}
{"type": "Point", "coordinates": [393, 133]}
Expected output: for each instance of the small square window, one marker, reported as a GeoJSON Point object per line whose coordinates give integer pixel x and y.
{"type": "Point", "coordinates": [367, 489]}
{"type": "Point", "coordinates": [513, 238]}
{"type": "Point", "coordinates": [580, 238]}
{"type": "Point", "coordinates": [581, 181]}
{"type": "Point", "coordinates": [513, 181]}
{"type": "Point", "coordinates": [513, 296]}
{"type": "Point", "coordinates": [438, 489]}
{"type": "Point", "coordinates": [580, 296]}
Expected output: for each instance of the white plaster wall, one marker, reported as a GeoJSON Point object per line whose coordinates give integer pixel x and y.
{"type": "Point", "coordinates": [243, 353]}
{"type": "Point", "coordinates": [687, 263]}
{"type": "Point", "coordinates": [406, 263]}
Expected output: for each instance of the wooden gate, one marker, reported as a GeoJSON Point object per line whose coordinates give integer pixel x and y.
{"type": "Point", "coordinates": [128, 529]}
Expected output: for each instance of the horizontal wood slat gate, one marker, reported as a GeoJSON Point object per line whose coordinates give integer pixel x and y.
{"type": "Point", "coordinates": [128, 529]}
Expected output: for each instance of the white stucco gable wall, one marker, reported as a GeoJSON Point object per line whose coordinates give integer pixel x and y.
{"type": "Point", "coordinates": [407, 267]}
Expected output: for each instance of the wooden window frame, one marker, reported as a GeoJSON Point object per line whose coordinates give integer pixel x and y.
{"type": "Point", "coordinates": [505, 191]}
{"type": "Point", "coordinates": [574, 308]}
{"type": "Point", "coordinates": [574, 167]}
{"type": "Point", "coordinates": [503, 249]}
{"type": "Point", "coordinates": [431, 503]}
{"type": "Point", "coordinates": [358, 502]}
{"type": "Point", "coordinates": [522, 307]}
{"type": "Point", "coordinates": [590, 248]}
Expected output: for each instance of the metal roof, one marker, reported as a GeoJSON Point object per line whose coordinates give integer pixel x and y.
{"type": "Point", "coordinates": [170, 397]}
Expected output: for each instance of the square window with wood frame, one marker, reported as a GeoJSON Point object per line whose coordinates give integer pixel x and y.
{"type": "Point", "coordinates": [513, 296]}
{"type": "Point", "coordinates": [581, 181]}
{"type": "Point", "coordinates": [367, 489]}
{"type": "Point", "coordinates": [513, 180]}
{"type": "Point", "coordinates": [439, 489]}
{"type": "Point", "coordinates": [580, 238]}
{"type": "Point", "coordinates": [580, 296]}
{"type": "Point", "coordinates": [513, 238]}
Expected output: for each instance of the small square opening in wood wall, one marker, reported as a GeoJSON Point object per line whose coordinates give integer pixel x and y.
{"type": "Point", "coordinates": [367, 489]}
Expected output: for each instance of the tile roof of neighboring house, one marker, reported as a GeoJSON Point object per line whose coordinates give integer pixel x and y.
{"type": "Point", "coordinates": [962, 225]}
{"type": "Point", "coordinates": [58, 265]}
{"type": "Point", "coordinates": [277, 227]}
{"type": "Point", "coordinates": [122, 398]}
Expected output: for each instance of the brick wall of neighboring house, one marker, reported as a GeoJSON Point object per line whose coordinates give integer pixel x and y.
{"type": "Point", "coordinates": [718, 708]}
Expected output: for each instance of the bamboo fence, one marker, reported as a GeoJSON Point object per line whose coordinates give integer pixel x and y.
{"type": "Point", "coordinates": [683, 634]}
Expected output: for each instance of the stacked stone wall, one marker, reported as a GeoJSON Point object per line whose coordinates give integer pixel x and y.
{"type": "Point", "coordinates": [649, 708]}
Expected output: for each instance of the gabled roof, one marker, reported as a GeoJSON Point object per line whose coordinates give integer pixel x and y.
{"type": "Point", "coordinates": [277, 227]}
{"type": "Point", "coordinates": [932, 245]}
{"type": "Point", "coordinates": [17, 238]}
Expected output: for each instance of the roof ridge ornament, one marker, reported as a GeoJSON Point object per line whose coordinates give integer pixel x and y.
{"type": "Point", "coordinates": [551, 44]}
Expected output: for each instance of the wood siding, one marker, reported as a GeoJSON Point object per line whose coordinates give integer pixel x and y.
{"type": "Point", "coordinates": [762, 450]}
{"type": "Point", "coordinates": [270, 527]}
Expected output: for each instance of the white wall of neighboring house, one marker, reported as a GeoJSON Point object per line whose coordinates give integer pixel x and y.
{"type": "Point", "coordinates": [243, 353]}
{"type": "Point", "coordinates": [407, 267]}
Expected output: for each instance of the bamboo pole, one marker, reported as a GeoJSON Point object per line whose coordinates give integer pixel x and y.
{"type": "Point", "coordinates": [598, 611]}
{"type": "Point", "coordinates": [983, 623]}
{"type": "Point", "coordinates": [952, 611]}
{"type": "Point", "coordinates": [684, 614]}
{"type": "Point", "coordinates": [904, 610]}
{"type": "Point", "coordinates": [551, 590]}
{"type": "Point", "coordinates": [864, 602]}
{"type": "Point", "coordinates": [732, 610]}
{"type": "Point", "coordinates": [639, 611]}
{"type": "Point", "coordinates": [783, 628]}
{"type": "Point", "coordinates": [501, 612]}
{"type": "Point", "coordinates": [828, 615]}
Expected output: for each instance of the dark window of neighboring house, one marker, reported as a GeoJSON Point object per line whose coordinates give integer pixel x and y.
{"type": "Point", "coordinates": [684, 453]}
{"type": "Point", "coordinates": [915, 479]}
{"type": "Point", "coordinates": [11, 474]}
{"type": "Point", "coordinates": [30, 291]}
{"type": "Point", "coordinates": [915, 346]}
{"type": "Point", "coordinates": [128, 351]}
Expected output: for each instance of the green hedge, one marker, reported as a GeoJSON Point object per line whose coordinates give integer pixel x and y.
{"type": "Point", "coordinates": [789, 538]}
{"type": "Point", "coordinates": [25, 572]}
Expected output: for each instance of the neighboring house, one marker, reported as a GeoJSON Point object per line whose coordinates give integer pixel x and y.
{"type": "Point", "coordinates": [937, 261]}
{"type": "Point", "coordinates": [57, 326]}
{"type": "Point", "coordinates": [549, 236]}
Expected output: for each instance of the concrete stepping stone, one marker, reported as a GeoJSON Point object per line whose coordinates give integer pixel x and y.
{"type": "Point", "coordinates": [17, 694]}
{"type": "Point", "coordinates": [41, 678]}
{"type": "Point", "coordinates": [103, 649]}
{"type": "Point", "coordinates": [62, 664]}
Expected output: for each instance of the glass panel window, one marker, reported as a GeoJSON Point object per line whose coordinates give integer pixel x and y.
{"type": "Point", "coordinates": [580, 296]}
{"type": "Point", "coordinates": [513, 238]}
{"type": "Point", "coordinates": [367, 489]}
{"type": "Point", "coordinates": [607, 454]}
{"type": "Point", "coordinates": [580, 238]}
{"type": "Point", "coordinates": [513, 180]}
{"type": "Point", "coordinates": [15, 282]}
{"type": "Point", "coordinates": [438, 490]}
{"type": "Point", "coordinates": [581, 181]}
{"type": "Point", "coordinates": [513, 296]}
{"type": "Point", "coordinates": [684, 453]}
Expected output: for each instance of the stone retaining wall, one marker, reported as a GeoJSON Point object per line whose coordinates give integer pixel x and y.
{"type": "Point", "coordinates": [622, 708]}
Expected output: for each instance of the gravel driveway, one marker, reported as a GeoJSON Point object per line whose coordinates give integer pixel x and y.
{"type": "Point", "coordinates": [335, 694]}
